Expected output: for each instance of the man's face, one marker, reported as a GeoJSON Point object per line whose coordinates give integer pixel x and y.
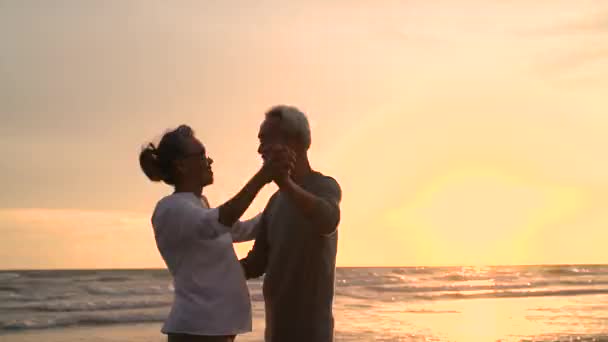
{"type": "Point", "coordinates": [270, 134]}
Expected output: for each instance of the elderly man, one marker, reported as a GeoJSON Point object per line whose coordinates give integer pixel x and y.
{"type": "Point", "coordinates": [297, 240]}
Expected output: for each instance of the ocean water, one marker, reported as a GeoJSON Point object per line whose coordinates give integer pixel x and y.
{"type": "Point", "coordinates": [509, 303]}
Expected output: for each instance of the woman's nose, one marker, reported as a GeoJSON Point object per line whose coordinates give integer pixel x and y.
{"type": "Point", "coordinates": [209, 161]}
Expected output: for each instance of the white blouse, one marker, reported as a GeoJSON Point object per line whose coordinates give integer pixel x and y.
{"type": "Point", "coordinates": [211, 295]}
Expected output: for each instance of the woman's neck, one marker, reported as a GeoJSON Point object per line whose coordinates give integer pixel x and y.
{"type": "Point", "coordinates": [194, 189]}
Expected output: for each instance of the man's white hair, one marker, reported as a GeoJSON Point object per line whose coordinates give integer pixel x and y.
{"type": "Point", "coordinates": [293, 122]}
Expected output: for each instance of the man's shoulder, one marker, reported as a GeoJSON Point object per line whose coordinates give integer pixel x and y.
{"type": "Point", "coordinates": [321, 180]}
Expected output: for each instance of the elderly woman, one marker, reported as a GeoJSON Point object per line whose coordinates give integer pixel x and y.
{"type": "Point", "coordinates": [211, 299]}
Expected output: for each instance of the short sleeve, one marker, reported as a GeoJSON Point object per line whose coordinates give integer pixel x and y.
{"type": "Point", "coordinates": [328, 213]}
{"type": "Point", "coordinates": [201, 223]}
{"type": "Point", "coordinates": [246, 230]}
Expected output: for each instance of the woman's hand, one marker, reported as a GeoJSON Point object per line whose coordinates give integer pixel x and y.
{"type": "Point", "coordinates": [279, 161]}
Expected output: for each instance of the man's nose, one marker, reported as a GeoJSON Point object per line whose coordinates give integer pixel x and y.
{"type": "Point", "coordinates": [209, 160]}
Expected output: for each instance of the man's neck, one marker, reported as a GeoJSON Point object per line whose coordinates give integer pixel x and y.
{"type": "Point", "coordinates": [302, 169]}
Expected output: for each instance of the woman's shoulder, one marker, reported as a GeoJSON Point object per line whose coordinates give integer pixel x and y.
{"type": "Point", "coordinates": [178, 206]}
{"type": "Point", "coordinates": [172, 203]}
{"type": "Point", "coordinates": [168, 201]}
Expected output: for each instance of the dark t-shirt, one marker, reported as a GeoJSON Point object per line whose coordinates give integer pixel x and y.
{"type": "Point", "coordinates": [299, 264]}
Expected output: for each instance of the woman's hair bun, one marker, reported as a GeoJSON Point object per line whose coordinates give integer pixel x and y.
{"type": "Point", "coordinates": [150, 165]}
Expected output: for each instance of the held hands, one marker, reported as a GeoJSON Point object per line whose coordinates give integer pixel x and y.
{"type": "Point", "coordinates": [279, 161]}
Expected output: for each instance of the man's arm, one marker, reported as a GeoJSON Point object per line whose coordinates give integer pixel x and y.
{"type": "Point", "coordinates": [322, 206]}
{"type": "Point", "coordinates": [254, 264]}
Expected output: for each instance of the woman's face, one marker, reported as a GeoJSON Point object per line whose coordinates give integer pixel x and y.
{"type": "Point", "coordinates": [195, 165]}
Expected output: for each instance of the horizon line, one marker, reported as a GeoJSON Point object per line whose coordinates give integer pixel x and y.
{"type": "Point", "coordinates": [337, 267]}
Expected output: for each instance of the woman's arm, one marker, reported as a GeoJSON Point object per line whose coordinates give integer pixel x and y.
{"type": "Point", "coordinates": [234, 208]}
{"type": "Point", "coordinates": [247, 230]}
{"type": "Point", "coordinates": [280, 162]}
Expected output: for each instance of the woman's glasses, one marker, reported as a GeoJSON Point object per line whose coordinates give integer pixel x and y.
{"type": "Point", "coordinates": [202, 155]}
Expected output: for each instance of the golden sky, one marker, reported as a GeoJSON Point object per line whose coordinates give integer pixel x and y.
{"type": "Point", "coordinates": [468, 132]}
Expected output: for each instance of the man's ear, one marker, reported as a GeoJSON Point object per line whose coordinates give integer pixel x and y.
{"type": "Point", "coordinates": [292, 144]}
{"type": "Point", "coordinates": [297, 147]}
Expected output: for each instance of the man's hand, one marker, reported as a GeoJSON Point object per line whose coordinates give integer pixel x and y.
{"type": "Point", "coordinates": [279, 161]}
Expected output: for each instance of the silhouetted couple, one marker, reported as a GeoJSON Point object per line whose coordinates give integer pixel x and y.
{"type": "Point", "coordinates": [295, 237]}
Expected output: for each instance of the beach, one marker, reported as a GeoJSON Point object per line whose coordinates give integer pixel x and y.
{"type": "Point", "coordinates": [509, 303]}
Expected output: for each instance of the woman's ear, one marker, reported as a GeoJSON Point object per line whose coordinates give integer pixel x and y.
{"type": "Point", "coordinates": [179, 167]}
